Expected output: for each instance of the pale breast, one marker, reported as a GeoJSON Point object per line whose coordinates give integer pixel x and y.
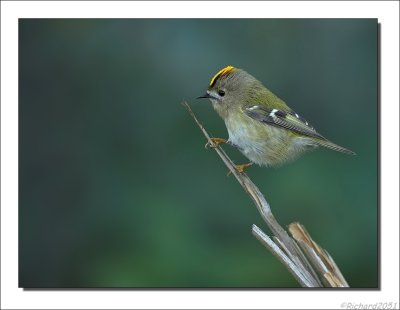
{"type": "Point", "coordinates": [249, 137]}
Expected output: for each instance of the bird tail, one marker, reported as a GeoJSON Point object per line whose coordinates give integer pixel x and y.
{"type": "Point", "coordinates": [330, 145]}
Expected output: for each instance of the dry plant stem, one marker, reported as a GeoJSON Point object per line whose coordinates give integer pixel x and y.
{"type": "Point", "coordinates": [285, 248]}
{"type": "Point", "coordinates": [326, 266]}
{"type": "Point", "coordinates": [280, 255]}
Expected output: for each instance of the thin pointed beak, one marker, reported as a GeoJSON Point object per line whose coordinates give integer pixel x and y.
{"type": "Point", "coordinates": [206, 95]}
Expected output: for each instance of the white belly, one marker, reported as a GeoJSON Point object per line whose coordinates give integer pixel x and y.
{"type": "Point", "coordinates": [265, 145]}
{"type": "Point", "coordinates": [252, 149]}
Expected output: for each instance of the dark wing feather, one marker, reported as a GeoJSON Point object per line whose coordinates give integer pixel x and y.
{"type": "Point", "coordinates": [284, 119]}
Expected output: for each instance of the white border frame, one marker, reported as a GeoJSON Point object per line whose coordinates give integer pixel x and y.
{"type": "Point", "coordinates": [14, 298]}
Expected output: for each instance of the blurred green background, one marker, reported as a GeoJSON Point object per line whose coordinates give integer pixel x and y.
{"type": "Point", "coordinates": [116, 188]}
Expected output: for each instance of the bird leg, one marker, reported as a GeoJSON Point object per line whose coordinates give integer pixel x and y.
{"type": "Point", "coordinates": [241, 168]}
{"type": "Point", "coordinates": [215, 142]}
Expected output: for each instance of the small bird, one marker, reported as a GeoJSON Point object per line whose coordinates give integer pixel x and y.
{"type": "Point", "coordinates": [259, 124]}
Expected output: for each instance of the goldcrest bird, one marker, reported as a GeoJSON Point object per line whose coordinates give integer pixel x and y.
{"type": "Point", "coordinates": [260, 124]}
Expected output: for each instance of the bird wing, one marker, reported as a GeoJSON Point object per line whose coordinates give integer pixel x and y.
{"type": "Point", "coordinates": [285, 119]}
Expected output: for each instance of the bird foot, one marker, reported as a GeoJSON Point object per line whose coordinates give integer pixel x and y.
{"type": "Point", "coordinates": [241, 168]}
{"type": "Point", "coordinates": [215, 142]}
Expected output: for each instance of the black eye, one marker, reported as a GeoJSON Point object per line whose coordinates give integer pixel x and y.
{"type": "Point", "coordinates": [221, 93]}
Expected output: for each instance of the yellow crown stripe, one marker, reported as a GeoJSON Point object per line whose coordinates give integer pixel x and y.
{"type": "Point", "coordinates": [221, 73]}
